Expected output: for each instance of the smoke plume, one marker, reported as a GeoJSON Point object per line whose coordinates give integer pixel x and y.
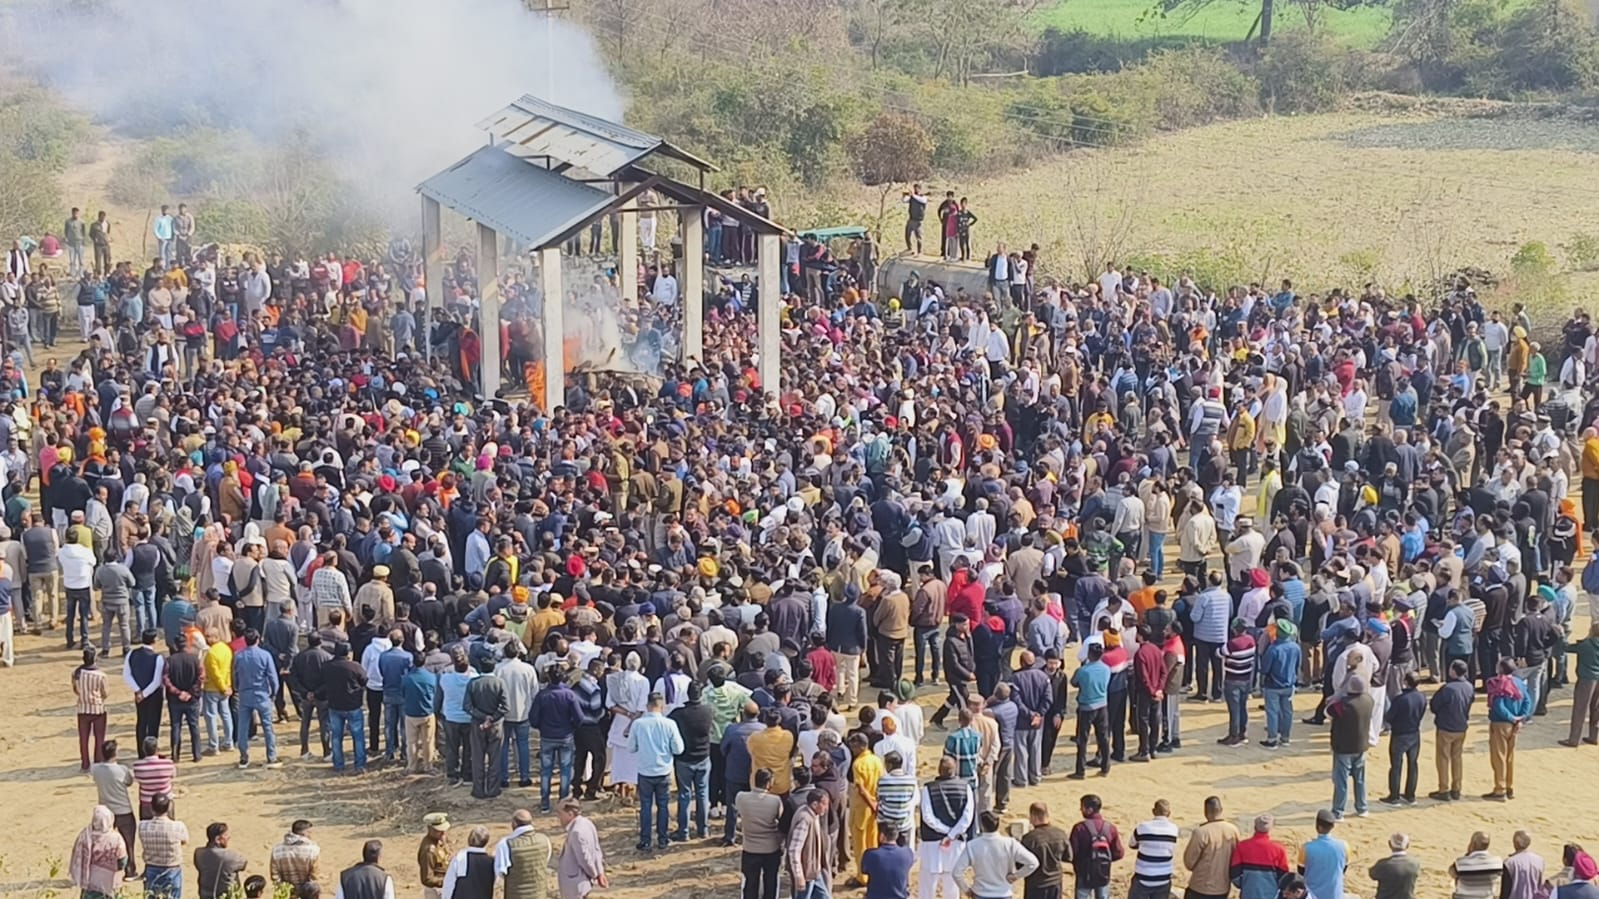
{"type": "Point", "coordinates": [389, 90]}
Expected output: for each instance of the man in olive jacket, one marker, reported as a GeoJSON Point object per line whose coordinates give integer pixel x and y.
{"type": "Point", "coordinates": [1351, 729]}
{"type": "Point", "coordinates": [1396, 875]}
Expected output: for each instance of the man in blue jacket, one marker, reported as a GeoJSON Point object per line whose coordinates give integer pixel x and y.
{"type": "Point", "coordinates": [1279, 674]}
{"type": "Point", "coordinates": [393, 664]}
{"type": "Point", "coordinates": [1211, 615]}
{"type": "Point", "coordinates": [419, 689]}
{"type": "Point", "coordinates": [1033, 694]}
{"type": "Point", "coordinates": [556, 714]}
{"type": "Point", "coordinates": [846, 640]}
{"type": "Point", "coordinates": [255, 681]}
{"type": "Point", "coordinates": [736, 764]}
{"type": "Point", "coordinates": [1092, 681]}
{"type": "Point", "coordinates": [1403, 717]}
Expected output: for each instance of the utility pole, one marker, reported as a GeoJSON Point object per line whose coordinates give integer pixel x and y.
{"type": "Point", "coordinates": [548, 9]}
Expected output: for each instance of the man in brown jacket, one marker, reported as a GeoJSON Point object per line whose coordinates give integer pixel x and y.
{"type": "Point", "coordinates": [1208, 856]}
{"type": "Point", "coordinates": [891, 622]}
{"type": "Point", "coordinates": [810, 861]}
{"type": "Point", "coordinates": [927, 616]}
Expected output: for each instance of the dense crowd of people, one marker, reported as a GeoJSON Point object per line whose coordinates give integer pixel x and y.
{"type": "Point", "coordinates": [274, 485]}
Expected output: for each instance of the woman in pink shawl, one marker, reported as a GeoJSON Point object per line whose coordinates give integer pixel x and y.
{"type": "Point", "coordinates": [98, 857]}
{"type": "Point", "coordinates": [1578, 873]}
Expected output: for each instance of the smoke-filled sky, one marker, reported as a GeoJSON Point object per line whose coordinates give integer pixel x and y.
{"type": "Point", "coordinates": [392, 88]}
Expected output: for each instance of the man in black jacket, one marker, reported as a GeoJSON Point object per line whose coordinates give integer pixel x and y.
{"type": "Point", "coordinates": [1030, 686]}
{"type": "Point", "coordinates": [485, 702]}
{"type": "Point", "coordinates": [344, 690]}
{"type": "Point", "coordinates": [693, 765]}
{"type": "Point", "coordinates": [1404, 716]}
{"type": "Point", "coordinates": [1533, 637]}
{"type": "Point", "coordinates": [306, 687]}
{"type": "Point", "coordinates": [183, 678]}
{"type": "Point", "coordinates": [960, 667]}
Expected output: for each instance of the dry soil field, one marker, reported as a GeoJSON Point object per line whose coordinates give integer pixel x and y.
{"type": "Point", "coordinates": [1342, 197]}
{"type": "Point", "coordinates": [50, 801]}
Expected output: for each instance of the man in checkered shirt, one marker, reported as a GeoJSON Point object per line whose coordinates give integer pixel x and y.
{"type": "Point", "coordinates": [294, 861]}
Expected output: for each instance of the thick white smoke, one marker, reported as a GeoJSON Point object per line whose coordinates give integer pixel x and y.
{"type": "Point", "coordinates": [390, 89]}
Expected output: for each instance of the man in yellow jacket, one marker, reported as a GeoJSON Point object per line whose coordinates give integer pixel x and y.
{"type": "Point", "coordinates": [1590, 480]}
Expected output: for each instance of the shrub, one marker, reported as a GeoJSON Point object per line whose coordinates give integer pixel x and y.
{"type": "Point", "coordinates": [1500, 50]}
{"type": "Point", "coordinates": [1532, 260]}
{"type": "Point", "coordinates": [30, 197]}
{"type": "Point", "coordinates": [1301, 72]}
{"type": "Point", "coordinates": [1174, 89]}
{"type": "Point", "coordinates": [34, 127]}
{"type": "Point", "coordinates": [1197, 86]}
{"type": "Point", "coordinates": [1078, 52]}
{"type": "Point", "coordinates": [1582, 252]}
{"type": "Point", "coordinates": [228, 220]}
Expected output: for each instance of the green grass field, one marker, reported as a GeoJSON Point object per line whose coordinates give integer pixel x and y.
{"type": "Point", "coordinates": [1220, 21]}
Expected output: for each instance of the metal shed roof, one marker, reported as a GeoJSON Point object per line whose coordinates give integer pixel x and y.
{"type": "Point", "coordinates": [534, 128]}
{"type": "Point", "coordinates": [514, 197]}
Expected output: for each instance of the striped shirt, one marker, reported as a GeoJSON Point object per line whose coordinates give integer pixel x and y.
{"type": "Point", "coordinates": [963, 745]}
{"type": "Point", "coordinates": [1238, 660]}
{"type": "Point", "coordinates": [162, 840]}
{"type": "Point", "coordinates": [896, 795]}
{"type": "Point", "coordinates": [1156, 843]}
{"type": "Point", "coordinates": [1477, 876]}
{"type": "Point", "coordinates": [90, 685]}
{"type": "Point", "coordinates": [1479, 612]}
{"type": "Point", "coordinates": [155, 775]}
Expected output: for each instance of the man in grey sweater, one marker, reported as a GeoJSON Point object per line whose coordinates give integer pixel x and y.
{"type": "Point", "coordinates": [115, 582]}
{"type": "Point", "coordinates": [758, 814]}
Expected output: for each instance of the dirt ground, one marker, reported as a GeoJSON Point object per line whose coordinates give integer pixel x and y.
{"type": "Point", "coordinates": [50, 801]}
{"type": "Point", "coordinates": [38, 771]}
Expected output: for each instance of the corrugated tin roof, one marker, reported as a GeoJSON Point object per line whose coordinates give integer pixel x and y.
{"type": "Point", "coordinates": [514, 197]}
{"type": "Point", "coordinates": [531, 127]}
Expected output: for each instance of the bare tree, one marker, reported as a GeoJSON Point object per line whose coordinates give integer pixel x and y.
{"type": "Point", "coordinates": [969, 33]}
{"type": "Point", "coordinates": [619, 24]}
{"type": "Point", "coordinates": [1101, 212]}
{"type": "Point", "coordinates": [1429, 237]}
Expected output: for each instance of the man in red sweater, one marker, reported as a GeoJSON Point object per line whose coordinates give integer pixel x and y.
{"type": "Point", "coordinates": [1149, 692]}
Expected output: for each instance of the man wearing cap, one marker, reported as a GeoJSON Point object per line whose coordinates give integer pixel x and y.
{"type": "Point", "coordinates": [1322, 860]}
{"type": "Point", "coordinates": [581, 866]}
{"type": "Point", "coordinates": [378, 594]}
{"type": "Point", "coordinates": [1258, 862]}
{"type": "Point", "coordinates": [433, 854]}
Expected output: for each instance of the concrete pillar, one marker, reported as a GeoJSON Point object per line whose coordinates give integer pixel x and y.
{"type": "Point", "coordinates": [554, 330]}
{"type": "Point", "coordinates": [627, 253]}
{"type": "Point", "coordinates": [432, 273]}
{"type": "Point", "coordinates": [768, 270]}
{"type": "Point", "coordinates": [488, 281]}
{"type": "Point", "coordinates": [691, 280]}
